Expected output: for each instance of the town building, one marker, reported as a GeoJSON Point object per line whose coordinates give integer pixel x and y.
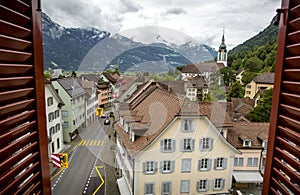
{"type": "Point", "coordinates": [196, 88]}
{"type": "Point", "coordinates": [260, 82]}
{"type": "Point", "coordinates": [73, 113]}
{"type": "Point", "coordinates": [251, 139]}
{"type": "Point", "coordinates": [239, 75]}
{"type": "Point", "coordinates": [54, 120]}
{"type": "Point", "coordinates": [167, 144]}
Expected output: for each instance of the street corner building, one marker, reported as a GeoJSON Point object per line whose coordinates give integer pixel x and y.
{"type": "Point", "coordinates": [167, 144]}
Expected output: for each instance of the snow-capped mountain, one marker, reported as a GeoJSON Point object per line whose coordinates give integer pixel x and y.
{"type": "Point", "coordinates": [94, 50]}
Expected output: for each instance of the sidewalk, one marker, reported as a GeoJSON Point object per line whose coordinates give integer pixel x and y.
{"type": "Point", "coordinates": [108, 155]}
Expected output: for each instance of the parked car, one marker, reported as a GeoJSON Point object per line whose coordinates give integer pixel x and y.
{"type": "Point", "coordinates": [106, 122]}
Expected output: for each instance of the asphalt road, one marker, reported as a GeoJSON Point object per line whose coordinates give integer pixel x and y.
{"type": "Point", "coordinates": [85, 174]}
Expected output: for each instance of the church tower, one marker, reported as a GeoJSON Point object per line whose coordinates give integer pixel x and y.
{"type": "Point", "coordinates": [222, 52]}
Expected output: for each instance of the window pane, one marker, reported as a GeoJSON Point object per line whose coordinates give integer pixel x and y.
{"type": "Point", "coordinates": [184, 186]}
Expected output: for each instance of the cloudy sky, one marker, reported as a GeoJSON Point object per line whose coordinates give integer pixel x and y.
{"type": "Point", "coordinates": [203, 20]}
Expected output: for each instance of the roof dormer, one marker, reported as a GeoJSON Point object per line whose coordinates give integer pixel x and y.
{"type": "Point", "coordinates": [247, 142]}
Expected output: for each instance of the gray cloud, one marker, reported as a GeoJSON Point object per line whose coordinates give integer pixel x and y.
{"type": "Point", "coordinates": [176, 11]}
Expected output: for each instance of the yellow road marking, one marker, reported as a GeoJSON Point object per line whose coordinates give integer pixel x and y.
{"type": "Point", "coordinates": [91, 142]}
{"type": "Point", "coordinates": [101, 178]}
{"type": "Point", "coordinates": [102, 143]}
{"type": "Point", "coordinates": [99, 141]}
{"type": "Point", "coordinates": [80, 143]}
{"type": "Point", "coordinates": [84, 142]}
{"type": "Point", "coordinates": [61, 169]}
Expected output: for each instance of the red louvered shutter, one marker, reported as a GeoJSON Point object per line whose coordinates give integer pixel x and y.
{"type": "Point", "coordinates": [24, 164]}
{"type": "Point", "coordinates": [282, 173]}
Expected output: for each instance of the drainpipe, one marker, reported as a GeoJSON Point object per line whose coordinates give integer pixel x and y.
{"type": "Point", "coordinates": [133, 172]}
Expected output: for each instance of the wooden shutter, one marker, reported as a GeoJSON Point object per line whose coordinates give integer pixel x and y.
{"type": "Point", "coordinates": [283, 155]}
{"type": "Point", "coordinates": [24, 165]}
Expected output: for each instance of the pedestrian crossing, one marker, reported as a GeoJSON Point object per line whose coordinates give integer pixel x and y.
{"type": "Point", "coordinates": [91, 143]}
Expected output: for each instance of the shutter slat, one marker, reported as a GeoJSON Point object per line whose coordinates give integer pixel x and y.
{"type": "Point", "coordinates": [15, 183]}
{"type": "Point", "coordinates": [295, 11]}
{"type": "Point", "coordinates": [15, 146]}
{"type": "Point", "coordinates": [291, 87]}
{"type": "Point", "coordinates": [15, 95]}
{"type": "Point", "coordinates": [28, 188]}
{"type": "Point", "coordinates": [292, 74]}
{"type": "Point", "coordinates": [287, 170]}
{"type": "Point", "coordinates": [13, 16]}
{"type": "Point", "coordinates": [291, 99]}
{"type": "Point", "coordinates": [290, 135]}
{"type": "Point", "coordinates": [14, 56]}
{"type": "Point", "coordinates": [18, 5]}
{"type": "Point", "coordinates": [13, 30]}
{"type": "Point", "coordinates": [290, 111]}
{"type": "Point", "coordinates": [17, 120]}
{"type": "Point", "coordinates": [294, 49]}
{"type": "Point", "coordinates": [15, 82]}
{"type": "Point", "coordinates": [295, 24]}
{"type": "Point", "coordinates": [288, 158]}
{"type": "Point", "coordinates": [292, 62]}
{"type": "Point", "coordinates": [286, 181]}
{"type": "Point", "coordinates": [13, 43]}
{"type": "Point", "coordinates": [291, 149]}
{"type": "Point", "coordinates": [18, 107]}
{"type": "Point", "coordinates": [294, 37]}
{"type": "Point", "coordinates": [6, 164]}
{"type": "Point", "coordinates": [289, 122]}
{"type": "Point", "coordinates": [13, 173]}
{"type": "Point", "coordinates": [277, 186]}
{"type": "Point", "coordinates": [15, 69]}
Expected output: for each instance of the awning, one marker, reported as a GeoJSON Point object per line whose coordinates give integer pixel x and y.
{"type": "Point", "coordinates": [123, 186]}
{"type": "Point", "coordinates": [247, 177]}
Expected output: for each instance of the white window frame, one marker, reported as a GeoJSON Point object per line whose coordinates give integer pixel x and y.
{"type": "Point", "coordinates": [206, 143]}
{"type": "Point", "coordinates": [218, 184]}
{"type": "Point", "coordinates": [167, 145]}
{"type": "Point", "coordinates": [167, 166]}
{"type": "Point", "coordinates": [187, 125]}
{"type": "Point", "coordinates": [238, 162]}
{"type": "Point", "coordinates": [204, 164]}
{"type": "Point", "coordinates": [150, 187]}
{"type": "Point", "coordinates": [203, 185]}
{"type": "Point", "coordinates": [149, 167]}
{"type": "Point", "coordinates": [166, 187]}
{"type": "Point", "coordinates": [247, 143]}
{"type": "Point", "coordinates": [252, 162]}
{"type": "Point", "coordinates": [220, 163]}
{"type": "Point", "coordinates": [187, 142]}
{"type": "Point", "coordinates": [49, 101]}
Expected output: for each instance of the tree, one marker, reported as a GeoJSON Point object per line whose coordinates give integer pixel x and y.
{"type": "Point", "coordinates": [261, 113]}
{"type": "Point", "coordinates": [236, 91]}
{"type": "Point", "coordinates": [254, 64]}
{"type": "Point", "coordinates": [247, 77]}
{"type": "Point", "coordinates": [228, 75]}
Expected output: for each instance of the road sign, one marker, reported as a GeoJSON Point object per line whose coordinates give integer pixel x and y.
{"type": "Point", "coordinates": [55, 160]}
{"type": "Point", "coordinates": [64, 160]}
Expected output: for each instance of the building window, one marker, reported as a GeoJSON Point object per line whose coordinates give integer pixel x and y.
{"type": "Point", "coordinates": [51, 131]}
{"type": "Point", "coordinates": [247, 143]}
{"type": "Point", "coordinates": [206, 143]}
{"type": "Point", "coordinates": [186, 164]}
{"type": "Point", "coordinates": [50, 117]}
{"type": "Point", "coordinates": [58, 143]}
{"type": "Point", "coordinates": [238, 162]}
{"type": "Point", "coordinates": [203, 185]}
{"type": "Point", "coordinates": [265, 144]}
{"type": "Point", "coordinates": [187, 125]}
{"type": "Point", "coordinates": [52, 146]}
{"type": "Point", "coordinates": [204, 164]}
{"type": "Point", "coordinates": [187, 145]}
{"type": "Point", "coordinates": [184, 186]}
{"type": "Point", "coordinates": [64, 113]}
{"type": "Point", "coordinates": [50, 101]}
{"type": "Point", "coordinates": [166, 188]}
{"type": "Point", "coordinates": [218, 184]}
{"type": "Point", "coordinates": [56, 113]}
{"type": "Point", "coordinates": [149, 167]}
{"type": "Point", "coordinates": [248, 86]}
{"type": "Point", "coordinates": [167, 145]}
{"type": "Point", "coordinates": [248, 92]}
{"type": "Point", "coordinates": [149, 188]}
{"type": "Point", "coordinates": [220, 163]}
{"type": "Point", "coordinates": [252, 162]}
{"type": "Point", "coordinates": [167, 166]}
{"type": "Point", "coordinates": [57, 127]}
{"type": "Point", "coordinates": [66, 125]}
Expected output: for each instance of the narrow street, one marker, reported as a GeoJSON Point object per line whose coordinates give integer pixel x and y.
{"type": "Point", "coordinates": [86, 174]}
